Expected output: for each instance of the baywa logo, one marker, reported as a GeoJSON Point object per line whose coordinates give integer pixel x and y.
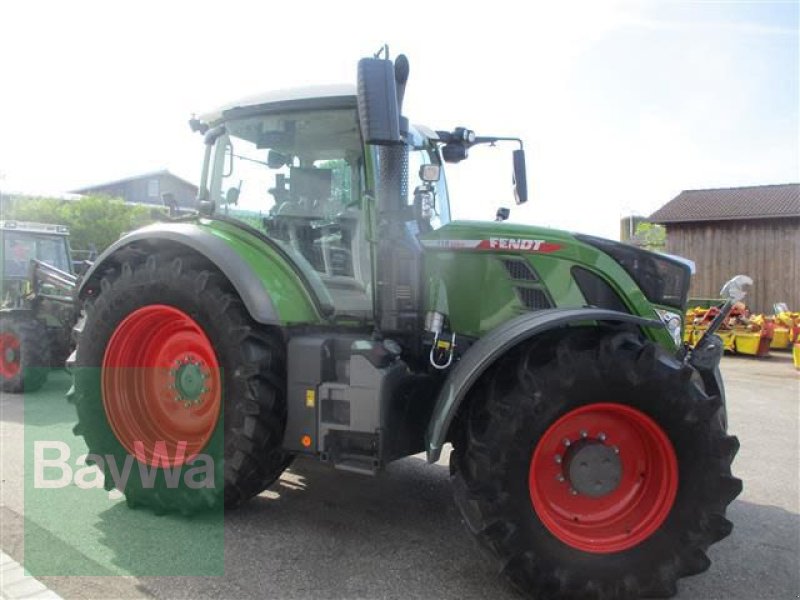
{"type": "Point", "coordinates": [53, 469]}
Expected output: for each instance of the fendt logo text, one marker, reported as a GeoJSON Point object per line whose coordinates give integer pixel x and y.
{"type": "Point", "coordinates": [520, 244]}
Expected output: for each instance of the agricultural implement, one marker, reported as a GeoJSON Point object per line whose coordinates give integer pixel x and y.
{"type": "Point", "coordinates": [325, 302]}
{"type": "Point", "coordinates": [743, 333]}
{"type": "Point", "coordinates": [740, 332]}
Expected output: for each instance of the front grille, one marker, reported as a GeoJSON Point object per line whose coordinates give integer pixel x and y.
{"type": "Point", "coordinates": [533, 298]}
{"type": "Point", "coordinates": [519, 270]}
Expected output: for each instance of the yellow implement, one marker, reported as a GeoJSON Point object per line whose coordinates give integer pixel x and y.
{"type": "Point", "coordinates": [780, 338]}
{"type": "Point", "coordinates": [746, 342]}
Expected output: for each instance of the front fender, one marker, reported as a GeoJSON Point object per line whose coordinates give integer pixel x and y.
{"type": "Point", "coordinates": [494, 344]}
{"type": "Point", "coordinates": [272, 287]}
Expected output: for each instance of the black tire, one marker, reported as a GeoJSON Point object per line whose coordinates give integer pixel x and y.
{"type": "Point", "coordinates": [246, 442]}
{"type": "Point", "coordinates": [30, 361]}
{"type": "Point", "coordinates": [512, 407]}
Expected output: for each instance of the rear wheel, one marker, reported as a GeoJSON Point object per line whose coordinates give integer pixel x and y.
{"type": "Point", "coordinates": [594, 465]}
{"type": "Point", "coordinates": [24, 354]}
{"type": "Point", "coordinates": [170, 370]}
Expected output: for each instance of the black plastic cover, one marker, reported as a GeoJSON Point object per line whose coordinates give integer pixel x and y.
{"type": "Point", "coordinates": [663, 280]}
{"type": "Point", "coordinates": [597, 291]}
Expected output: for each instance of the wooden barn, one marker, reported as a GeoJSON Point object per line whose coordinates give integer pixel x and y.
{"type": "Point", "coordinates": [749, 230]}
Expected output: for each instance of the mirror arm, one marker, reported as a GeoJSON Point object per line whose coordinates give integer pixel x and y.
{"type": "Point", "coordinates": [493, 139]}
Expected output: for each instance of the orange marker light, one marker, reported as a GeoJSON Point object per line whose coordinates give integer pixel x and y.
{"type": "Point", "coordinates": [306, 441]}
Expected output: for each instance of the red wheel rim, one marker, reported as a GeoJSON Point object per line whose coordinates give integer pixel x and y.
{"type": "Point", "coordinates": [9, 355]}
{"type": "Point", "coordinates": [632, 504]}
{"type": "Point", "coordinates": [161, 385]}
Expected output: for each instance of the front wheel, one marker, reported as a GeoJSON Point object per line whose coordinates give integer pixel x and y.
{"type": "Point", "coordinates": [594, 465]}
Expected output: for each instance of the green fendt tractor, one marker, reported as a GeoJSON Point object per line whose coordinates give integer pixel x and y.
{"type": "Point", "coordinates": [37, 311]}
{"type": "Point", "coordinates": [324, 304]}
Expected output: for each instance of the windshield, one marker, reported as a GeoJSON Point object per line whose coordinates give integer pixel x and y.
{"type": "Point", "coordinates": [298, 177]}
{"type": "Point", "coordinates": [19, 248]}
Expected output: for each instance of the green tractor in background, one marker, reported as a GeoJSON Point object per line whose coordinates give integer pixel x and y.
{"type": "Point", "coordinates": [324, 304]}
{"type": "Point", "coordinates": [37, 311]}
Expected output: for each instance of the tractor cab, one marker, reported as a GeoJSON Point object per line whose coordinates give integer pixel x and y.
{"type": "Point", "coordinates": [294, 166]}
{"type": "Point", "coordinates": [22, 242]}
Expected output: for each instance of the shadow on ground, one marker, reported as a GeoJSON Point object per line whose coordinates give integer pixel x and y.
{"type": "Point", "coordinates": [318, 533]}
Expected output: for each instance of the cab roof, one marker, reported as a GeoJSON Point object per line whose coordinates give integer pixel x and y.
{"type": "Point", "coordinates": [308, 97]}
{"type": "Point", "coordinates": [30, 227]}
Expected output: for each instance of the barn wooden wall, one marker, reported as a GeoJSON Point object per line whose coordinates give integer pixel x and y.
{"type": "Point", "coordinates": [766, 250]}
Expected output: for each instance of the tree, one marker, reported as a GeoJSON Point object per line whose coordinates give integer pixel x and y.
{"type": "Point", "coordinates": [651, 236]}
{"type": "Point", "coordinates": [92, 220]}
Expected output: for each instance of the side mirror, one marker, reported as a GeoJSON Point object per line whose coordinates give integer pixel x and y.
{"type": "Point", "coordinates": [734, 289]}
{"type": "Point", "coordinates": [378, 111]}
{"type": "Point", "coordinates": [232, 196]}
{"type": "Point", "coordinates": [520, 177]}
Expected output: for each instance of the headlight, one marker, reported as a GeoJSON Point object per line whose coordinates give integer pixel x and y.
{"type": "Point", "coordinates": [673, 323]}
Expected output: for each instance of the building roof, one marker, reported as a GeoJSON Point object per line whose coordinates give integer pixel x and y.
{"type": "Point", "coordinates": [162, 172]}
{"type": "Point", "coordinates": [728, 204]}
{"type": "Point", "coordinates": [311, 92]}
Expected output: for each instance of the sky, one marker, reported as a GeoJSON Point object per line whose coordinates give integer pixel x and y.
{"type": "Point", "coordinates": [621, 104]}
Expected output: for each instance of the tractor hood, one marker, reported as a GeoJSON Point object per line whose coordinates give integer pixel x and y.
{"type": "Point", "coordinates": [481, 274]}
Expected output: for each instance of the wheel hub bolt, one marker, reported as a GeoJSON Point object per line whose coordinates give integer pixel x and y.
{"type": "Point", "coordinates": [567, 443]}
{"type": "Point", "coordinates": [560, 478]}
{"type": "Point", "coordinates": [584, 434]}
{"type": "Point", "coordinates": [558, 459]}
{"type": "Point", "coordinates": [573, 491]}
{"type": "Point", "coordinates": [601, 436]}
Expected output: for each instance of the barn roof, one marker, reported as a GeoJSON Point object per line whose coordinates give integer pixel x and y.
{"type": "Point", "coordinates": [728, 204]}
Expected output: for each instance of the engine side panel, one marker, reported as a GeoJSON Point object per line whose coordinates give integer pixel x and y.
{"type": "Point", "coordinates": [482, 274]}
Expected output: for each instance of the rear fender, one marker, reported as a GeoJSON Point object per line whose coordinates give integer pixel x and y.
{"type": "Point", "coordinates": [274, 289]}
{"type": "Point", "coordinates": [492, 346]}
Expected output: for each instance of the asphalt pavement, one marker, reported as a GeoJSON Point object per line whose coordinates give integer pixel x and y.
{"type": "Point", "coordinates": [319, 533]}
